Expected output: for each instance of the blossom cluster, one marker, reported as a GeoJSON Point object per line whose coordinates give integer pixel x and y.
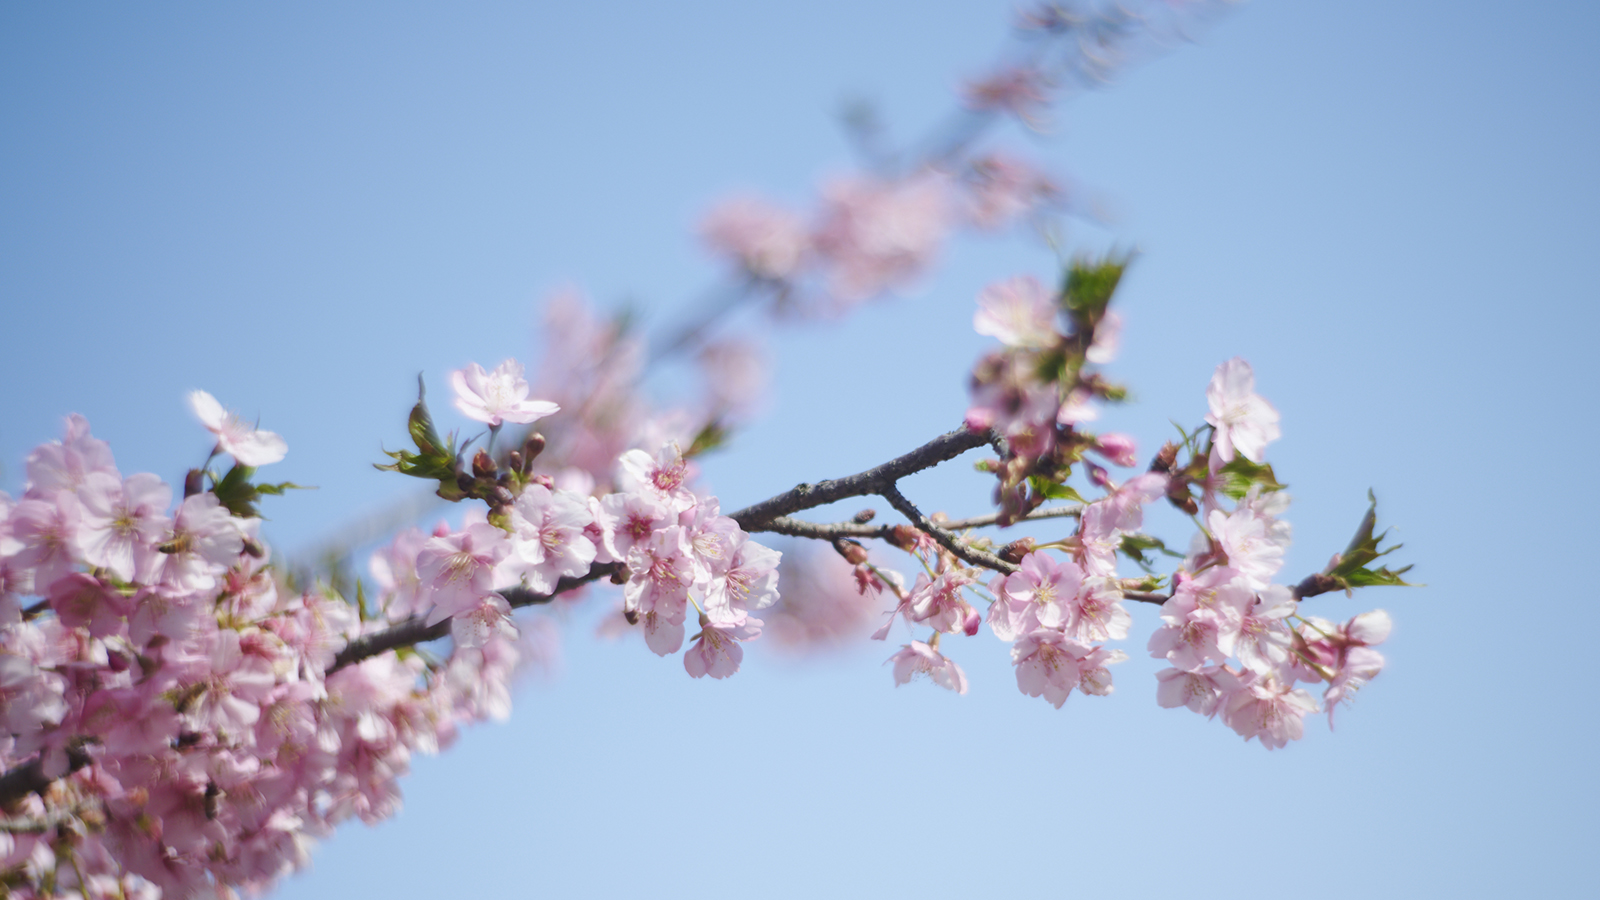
{"type": "Point", "coordinates": [1235, 639]}
{"type": "Point", "coordinates": [173, 713]}
{"type": "Point", "coordinates": [875, 233]}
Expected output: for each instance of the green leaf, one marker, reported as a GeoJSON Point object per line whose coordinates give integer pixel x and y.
{"type": "Point", "coordinates": [435, 458]}
{"type": "Point", "coordinates": [1051, 490]}
{"type": "Point", "coordinates": [1089, 286]}
{"type": "Point", "coordinates": [1354, 569]}
{"type": "Point", "coordinates": [1240, 474]}
{"type": "Point", "coordinates": [1135, 547]}
{"type": "Point", "coordinates": [712, 437]}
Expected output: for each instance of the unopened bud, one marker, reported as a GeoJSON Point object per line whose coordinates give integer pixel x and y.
{"type": "Point", "coordinates": [970, 626]}
{"type": "Point", "coordinates": [514, 460]}
{"type": "Point", "coordinates": [465, 482]}
{"type": "Point", "coordinates": [532, 447]}
{"type": "Point", "coordinates": [1178, 495]}
{"type": "Point", "coordinates": [1098, 475]}
{"type": "Point", "coordinates": [483, 465]}
{"type": "Point", "coordinates": [1166, 459]}
{"type": "Point", "coordinates": [852, 551]}
{"type": "Point", "coordinates": [499, 496]}
{"type": "Point", "coordinates": [193, 483]}
{"type": "Point", "coordinates": [620, 576]}
{"type": "Point", "coordinates": [1016, 550]}
{"type": "Point", "coordinates": [904, 537]}
{"type": "Point", "coordinates": [865, 516]}
{"type": "Point", "coordinates": [632, 615]}
{"type": "Point", "coordinates": [254, 548]}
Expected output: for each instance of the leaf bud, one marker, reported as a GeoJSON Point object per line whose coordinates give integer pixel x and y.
{"type": "Point", "coordinates": [254, 548]}
{"type": "Point", "coordinates": [864, 516]}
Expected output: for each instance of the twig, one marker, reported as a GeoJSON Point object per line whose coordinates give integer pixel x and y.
{"type": "Point", "coordinates": [946, 540]}
{"type": "Point", "coordinates": [872, 481]}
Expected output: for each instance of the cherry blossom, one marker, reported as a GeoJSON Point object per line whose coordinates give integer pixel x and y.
{"type": "Point", "coordinates": [497, 396]}
{"type": "Point", "coordinates": [1242, 420]}
{"type": "Point", "coordinates": [1018, 312]}
{"type": "Point", "coordinates": [244, 442]}
{"type": "Point", "coordinates": [917, 658]}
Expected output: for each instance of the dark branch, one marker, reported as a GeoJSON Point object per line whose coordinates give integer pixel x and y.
{"type": "Point", "coordinates": [872, 481]}
{"type": "Point", "coordinates": [415, 630]}
{"type": "Point", "coordinates": [946, 540]}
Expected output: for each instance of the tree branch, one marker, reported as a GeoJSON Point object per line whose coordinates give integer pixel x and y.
{"type": "Point", "coordinates": [415, 630]}
{"type": "Point", "coordinates": [872, 481]}
{"type": "Point", "coordinates": [946, 540]}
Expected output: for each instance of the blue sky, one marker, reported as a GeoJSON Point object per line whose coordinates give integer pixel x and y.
{"type": "Point", "coordinates": [1389, 209]}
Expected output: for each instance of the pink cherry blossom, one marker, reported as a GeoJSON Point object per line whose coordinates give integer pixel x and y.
{"type": "Point", "coordinates": [917, 658]}
{"type": "Point", "coordinates": [497, 396]}
{"type": "Point", "coordinates": [1018, 312]}
{"type": "Point", "coordinates": [457, 571]}
{"type": "Point", "coordinates": [244, 442]}
{"type": "Point", "coordinates": [716, 651]}
{"type": "Point", "coordinates": [877, 235]}
{"type": "Point", "coordinates": [1040, 594]}
{"type": "Point", "coordinates": [1243, 421]}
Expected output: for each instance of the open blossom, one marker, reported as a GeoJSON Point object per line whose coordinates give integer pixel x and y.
{"type": "Point", "coordinates": [548, 527]}
{"type": "Point", "coordinates": [457, 570]}
{"type": "Point", "coordinates": [123, 521]}
{"type": "Point", "coordinates": [1264, 708]}
{"type": "Point", "coordinates": [917, 658]}
{"type": "Point", "coordinates": [1040, 594]}
{"type": "Point", "coordinates": [664, 476]}
{"type": "Point", "coordinates": [65, 465]}
{"type": "Point", "coordinates": [1250, 543]}
{"type": "Point", "coordinates": [1018, 312]}
{"type": "Point", "coordinates": [497, 396]}
{"type": "Point", "coordinates": [244, 442]}
{"type": "Point", "coordinates": [1342, 655]}
{"type": "Point", "coordinates": [1243, 421]}
{"type": "Point", "coordinates": [716, 651]}
{"type": "Point", "coordinates": [1050, 665]}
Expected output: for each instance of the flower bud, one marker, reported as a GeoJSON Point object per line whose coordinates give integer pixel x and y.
{"type": "Point", "coordinates": [1178, 495]}
{"type": "Point", "coordinates": [499, 496]}
{"type": "Point", "coordinates": [193, 483]}
{"type": "Point", "coordinates": [532, 447]}
{"type": "Point", "coordinates": [904, 537]}
{"type": "Point", "coordinates": [852, 551]}
{"type": "Point", "coordinates": [465, 482]}
{"type": "Point", "coordinates": [483, 465]}
{"type": "Point", "coordinates": [1166, 459]}
{"type": "Point", "coordinates": [1016, 550]}
{"type": "Point", "coordinates": [544, 481]}
{"type": "Point", "coordinates": [514, 460]}
{"type": "Point", "coordinates": [970, 626]}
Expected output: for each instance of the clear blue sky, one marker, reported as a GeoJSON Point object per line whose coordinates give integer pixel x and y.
{"type": "Point", "coordinates": [1390, 209]}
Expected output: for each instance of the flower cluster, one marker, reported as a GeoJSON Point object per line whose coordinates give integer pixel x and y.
{"type": "Point", "coordinates": [173, 714]}
{"type": "Point", "coordinates": [1228, 630]}
{"type": "Point", "coordinates": [1037, 389]}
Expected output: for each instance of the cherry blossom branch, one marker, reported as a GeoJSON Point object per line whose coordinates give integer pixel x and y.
{"type": "Point", "coordinates": [415, 630]}
{"type": "Point", "coordinates": [943, 448]}
{"type": "Point", "coordinates": [946, 540]}
{"type": "Point", "coordinates": [30, 778]}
